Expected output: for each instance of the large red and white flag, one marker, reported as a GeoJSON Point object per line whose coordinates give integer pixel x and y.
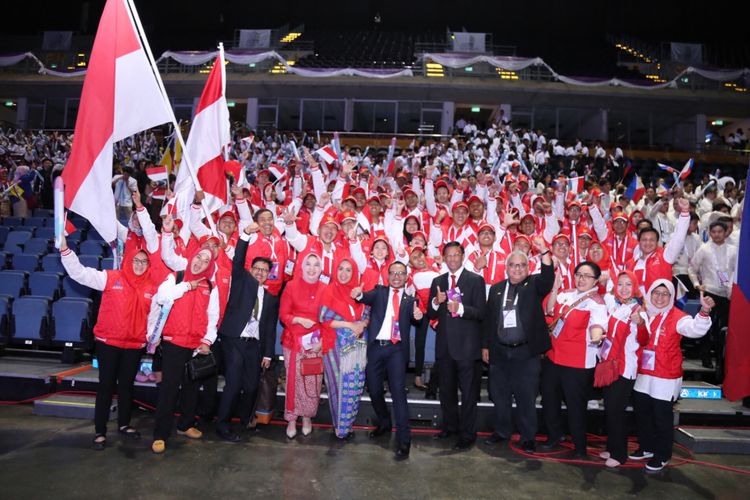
{"type": "Point", "coordinates": [120, 97]}
{"type": "Point", "coordinates": [209, 136]}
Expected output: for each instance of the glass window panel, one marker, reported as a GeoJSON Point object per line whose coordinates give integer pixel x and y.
{"type": "Point", "coordinates": [363, 116]}
{"type": "Point", "coordinates": [55, 117]}
{"type": "Point", "coordinates": [409, 117]}
{"type": "Point", "coordinates": [312, 114]}
{"type": "Point", "coordinates": [431, 120]}
{"type": "Point", "coordinates": [333, 115]}
{"type": "Point", "coordinates": [72, 114]}
{"type": "Point", "coordinates": [385, 117]}
{"type": "Point", "coordinates": [289, 114]}
{"type": "Point", "coordinates": [266, 117]}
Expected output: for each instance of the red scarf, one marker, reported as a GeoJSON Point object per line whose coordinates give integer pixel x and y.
{"type": "Point", "coordinates": [337, 296]}
{"type": "Point", "coordinates": [137, 306]}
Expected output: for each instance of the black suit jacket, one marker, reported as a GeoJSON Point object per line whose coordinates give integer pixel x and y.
{"type": "Point", "coordinates": [243, 292]}
{"type": "Point", "coordinates": [529, 310]}
{"type": "Point", "coordinates": [459, 338]}
{"type": "Point", "coordinates": [377, 299]}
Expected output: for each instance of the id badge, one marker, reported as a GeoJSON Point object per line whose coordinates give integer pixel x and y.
{"type": "Point", "coordinates": [558, 328]}
{"type": "Point", "coordinates": [723, 278]}
{"type": "Point", "coordinates": [273, 274]}
{"type": "Point", "coordinates": [509, 319]}
{"type": "Point", "coordinates": [325, 279]}
{"type": "Point", "coordinates": [648, 360]}
{"type": "Point", "coordinates": [396, 331]}
{"type": "Point", "coordinates": [604, 349]}
{"type": "Point", "coordinates": [289, 268]}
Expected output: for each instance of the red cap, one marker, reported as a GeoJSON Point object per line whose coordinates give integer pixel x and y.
{"type": "Point", "coordinates": [574, 203]}
{"type": "Point", "coordinates": [440, 184]}
{"type": "Point", "coordinates": [350, 198]}
{"type": "Point", "coordinates": [620, 216]}
{"type": "Point", "coordinates": [415, 248]}
{"type": "Point", "coordinates": [376, 199]}
{"type": "Point", "coordinates": [487, 226]}
{"type": "Point", "coordinates": [208, 237]}
{"type": "Point", "coordinates": [522, 237]}
{"type": "Point", "coordinates": [330, 219]}
{"type": "Point", "coordinates": [459, 204]}
{"type": "Point", "coordinates": [409, 191]}
{"type": "Point", "coordinates": [527, 216]}
{"type": "Point", "coordinates": [559, 236]}
{"type": "Point", "coordinates": [474, 198]}
{"type": "Point", "coordinates": [347, 215]}
{"type": "Point", "coordinates": [360, 190]}
{"type": "Point", "coordinates": [419, 233]}
{"type": "Point", "coordinates": [584, 231]}
{"type": "Point", "coordinates": [262, 172]}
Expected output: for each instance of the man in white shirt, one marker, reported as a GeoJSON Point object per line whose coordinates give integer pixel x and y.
{"type": "Point", "coordinates": [712, 271]}
{"type": "Point", "coordinates": [124, 185]}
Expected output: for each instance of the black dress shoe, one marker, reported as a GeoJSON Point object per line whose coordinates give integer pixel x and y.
{"type": "Point", "coordinates": [463, 444]}
{"type": "Point", "coordinates": [379, 431]}
{"type": "Point", "coordinates": [402, 452]}
{"type": "Point", "coordinates": [528, 446]}
{"type": "Point", "coordinates": [551, 444]}
{"type": "Point", "coordinates": [430, 395]}
{"type": "Point", "coordinates": [707, 363]}
{"type": "Point", "coordinates": [495, 438]}
{"type": "Point", "coordinates": [227, 435]}
{"type": "Point", "coordinates": [443, 435]}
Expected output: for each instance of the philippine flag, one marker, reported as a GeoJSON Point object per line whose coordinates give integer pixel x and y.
{"type": "Point", "coordinates": [666, 168]}
{"type": "Point", "coordinates": [121, 96]}
{"type": "Point", "coordinates": [686, 170]}
{"type": "Point", "coordinates": [635, 189]}
{"type": "Point", "coordinates": [737, 377]}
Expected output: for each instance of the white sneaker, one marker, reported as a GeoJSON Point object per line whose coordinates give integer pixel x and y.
{"type": "Point", "coordinates": [640, 454]}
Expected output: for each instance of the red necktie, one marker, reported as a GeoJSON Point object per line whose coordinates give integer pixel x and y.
{"type": "Point", "coordinates": [453, 281]}
{"type": "Point", "coordinates": [395, 331]}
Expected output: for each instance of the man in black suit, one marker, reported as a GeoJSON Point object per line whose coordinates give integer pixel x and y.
{"type": "Point", "coordinates": [247, 333]}
{"type": "Point", "coordinates": [458, 343]}
{"type": "Point", "coordinates": [515, 335]}
{"type": "Point", "coordinates": [388, 352]}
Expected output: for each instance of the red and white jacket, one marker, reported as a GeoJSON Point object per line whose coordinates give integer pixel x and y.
{"type": "Point", "coordinates": [573, 346]}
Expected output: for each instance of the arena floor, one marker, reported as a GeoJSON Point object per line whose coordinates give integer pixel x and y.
{"type": "Point", "coordinates": [47, 457]}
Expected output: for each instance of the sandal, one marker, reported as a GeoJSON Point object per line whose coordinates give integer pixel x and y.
{"type": "Point", "coordinates": [129, 432]}
{"type": "Point", "coordinates": [99, 442]}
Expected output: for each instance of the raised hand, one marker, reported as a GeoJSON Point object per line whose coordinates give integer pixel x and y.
{"type": "Point", "coordinates": [707, 303]}
{"type": "Point", "coordinates": [196, 283]}
{"type": "Point", "coordinates": [324, 199]}
{"type": "Point", "coordinates": [684, 205]}
{"type": "Point", "coordinates": [199, 196]}
{"type": "Point", "coordinates": [539, 244]}
{"type": "Point", "coordinates": [440, 297]}
{"type": "Point", "coordinates": [356, 292]}
{"type": "Point", "coordinates": [167, 224]}
{"type": "Point", "coordinates": [418, 315]}
{"type": "Point", "coordinates": [236, 192]}
{"type": "Point", "coordinates": [251, 228]}
{"type": "Point", "coordinates": [509, 219]}
{"type": "Point", "coordinates": [635, 316]}
{"type": "Point", "coordinates": [288, 216]}
{"type": "Point", "coordinates": [480, 262]}
{"type": "Point", "coordinates": [136, 195]}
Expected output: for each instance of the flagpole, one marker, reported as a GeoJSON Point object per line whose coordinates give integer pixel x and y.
{"type": "Point", "coordinates": [168, 107]}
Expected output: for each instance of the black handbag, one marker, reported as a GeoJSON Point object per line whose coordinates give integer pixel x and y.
{"type": "Point", "coordinates": [201, 366]}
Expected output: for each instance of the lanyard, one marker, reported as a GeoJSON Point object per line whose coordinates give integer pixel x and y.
{"type": "Point", "coordinates": [505, 296]}
{"type": "Point", "coordinates": [618, 320]}
{"type": "Point", "coordinates": [658, 329]}
{"type": "Point", "coordinates": [492, 260]}
{"type": "Point", "coordinates": [624, 247]}
{"type": "Point", "coordinates": [270, 242]}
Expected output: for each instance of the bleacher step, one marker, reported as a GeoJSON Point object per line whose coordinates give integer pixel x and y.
{"type": "Point", "coordinates": [714, 440]}
{"type": "Point", "coordinates": [70, 406]}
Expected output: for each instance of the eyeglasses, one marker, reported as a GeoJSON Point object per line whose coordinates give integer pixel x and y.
{"type": "Point", "coordinates": [585, 276]}
{"type": "Point", "coordinates": [141, 262]}
{"type": "Point", "coordinates": [261, 270]}
{"type": "Point", "coordinates": [660, 294]}
{"type": "Point", "coordinates": [397, 273]}
{"type": "Point", "coordinates": [517, 266]}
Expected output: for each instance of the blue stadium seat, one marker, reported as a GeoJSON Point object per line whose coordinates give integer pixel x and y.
{"type": "Point", "coordinates": [26, 262]}
{"type": "Point", "coordinates": [108, 263]}
{"type": "Point", "coordinates": [30, 319]}
{"type": "Point", "coordinates": [12, 221]}
{"type": "Point", "coordinates": [51, 263]}
{"type": "Point", "coordinates": [44, 212]}
{"type": "Point", "coordinates": [36, 245]}
{"type": "Point", "coordinates": [3, 260]}
{"type": "Point", "coordinates": [74, 289]}
{"type": "Point", "coordinates": [45, 284]}
{"type": "Point", "coordinates": [48, 233]}
{"type": "Point", "coordinates": [92, 234]}
{"type": "Point", "coordinates": [692, 306]}
{"type": "Point", "coordinates": [12, 283]}
{"type": "Point", "coordinates": [74, 236]}
{"type": "Point", "coordinates": [34, 221]}
{"type": "Point", "coordinates": [17, 238]}
{"type": "Point", "coordinates": [90, 261]}
{"type": "Point", "coordinates": [91, 247]}
{"type": "Point", "coordinates": [4, 230]}
{"type": "Point", "coordinates": [71, 321]}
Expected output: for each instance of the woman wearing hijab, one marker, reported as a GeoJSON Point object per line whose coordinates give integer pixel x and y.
{"type": "Point", "coordinates": [120, 332]}
{"type": "Point", "coordinates": [300, 340]}
{"type": "Point", "coordinates": [659, 379]}
{"type": "Point", "coordinates": [580, 320]}
{"type": "Point", "coordinates": [343, 322]}
{"type": "Point", "coordinates": [618, 362]}
{"type": "Point", "coordinates": [187, 331]}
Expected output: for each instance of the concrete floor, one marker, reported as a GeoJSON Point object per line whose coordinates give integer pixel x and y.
{"type": "Point", "coordinates": [47, 457]}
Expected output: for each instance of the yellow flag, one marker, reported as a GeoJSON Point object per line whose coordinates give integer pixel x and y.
{"type": "Point", "coordinates": [177, 156]}
{"type": "Point", "coordinates": [166, 160]}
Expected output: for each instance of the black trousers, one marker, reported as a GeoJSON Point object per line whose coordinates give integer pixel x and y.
{"type": "Point", "coordinates": [512, 376]}
{"type": "Point", "coordinates": [117, 368]}
{"type": "Point", "coordinates": [464, 375]}
{"type": "Point", "coordinates": [654, 420]}
{"type": "Point", "coordinates": [241, 373]}
{"type": "Point", "coordinates": [174, 383]}
{"type": "Point", "coordinates": [719, 319]}
{"type": "Point", "coordinates": [389, 360]}
{"type": "Point", "coordinates": [420, 339]}
{"type": "Point", "coordinates": [574, 385]}
{"type": "Point", "coordinates": [616, 397]}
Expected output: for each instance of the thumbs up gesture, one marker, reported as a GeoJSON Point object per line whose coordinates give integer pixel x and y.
{"type": "Point", "coordinates": [707, 303]}
{"type": "Point", "coordinates": [356, 292]}
{"type": "Point", "coordinates": [440, 297]}
{"type": "Point", "coordinates": [417, 312]}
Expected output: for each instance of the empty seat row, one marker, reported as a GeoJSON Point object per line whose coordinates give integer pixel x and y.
{"type": "Point", "coordinates": [33, 320]}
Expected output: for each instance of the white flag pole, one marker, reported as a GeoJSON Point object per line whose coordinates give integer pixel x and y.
{"type": "Point", "coordinates": [188, 163]}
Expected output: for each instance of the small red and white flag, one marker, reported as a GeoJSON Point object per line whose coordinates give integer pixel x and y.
{"type": "Point", "coordinates": [575, 185]}
{"type": "Point", "coordinates": [327, 154]}
{"type": "Point", "coordinates": [157, 173]}
{"type": "Point", "coordinates": [277, 171]}
{"type": "Point", "coordinates": [121, 96]}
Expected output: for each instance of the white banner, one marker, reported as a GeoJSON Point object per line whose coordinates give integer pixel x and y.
{"type": "Point", "coordinates": [468, 42]}
{"type": "Point", "coordinates": [255, 39]}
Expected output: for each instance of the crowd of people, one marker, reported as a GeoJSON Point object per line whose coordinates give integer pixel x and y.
{"type": "Point", "coordinates": [480, 238]}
